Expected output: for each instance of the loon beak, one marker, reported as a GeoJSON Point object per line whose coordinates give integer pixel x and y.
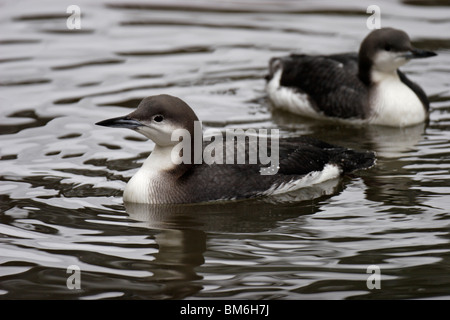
{"type": "Point", "coordinates": [418, 53]}
{"type": "Point", "coordinates": [121, 122]}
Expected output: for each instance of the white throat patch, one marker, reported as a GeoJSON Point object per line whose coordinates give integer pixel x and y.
{"type": "Point", "coordinates": [393, 103]}
{"type": "Point", "coordinates": [146, 180]}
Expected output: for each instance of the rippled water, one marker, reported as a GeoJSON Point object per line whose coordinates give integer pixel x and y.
{"type": "Point", "coordinates": [61, 177]}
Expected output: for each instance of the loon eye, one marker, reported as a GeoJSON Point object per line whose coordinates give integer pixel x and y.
{"type": "Point", "coordinates": [387, 48]}
{"type": "Point", "coordinates": [158, 118]}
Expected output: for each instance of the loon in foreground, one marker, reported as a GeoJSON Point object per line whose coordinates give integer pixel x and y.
{"type": "Point", "coordinates": [302, 161]}
{"type": "Point", "coordinates": [362, 88]}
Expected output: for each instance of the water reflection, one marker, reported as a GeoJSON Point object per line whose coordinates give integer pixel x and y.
{"type": "Point", "coordinates": [234, 216]}
{"type": "Point", "coordinates": [180, 246]}
{"type": "Point", "coordinates": [387, 142]}
{"type": "Point", "coordinates": [181, 231]}
{"type": "Point", "coordinates": [393, 147]}
{"type": "Point", "coordinates": [62, 179]}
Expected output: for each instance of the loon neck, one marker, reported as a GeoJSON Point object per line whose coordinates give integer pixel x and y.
{"type": "Point", "coordinates": [377, 76]}
{"type": "Point", "coordinates": [370, 75]}
{"type": "Point", "coordinates": [364, 69]}
{"type": "Point", "coordinates": [160, 159]}
{"type": "Point", "coordinates": [175, 159]}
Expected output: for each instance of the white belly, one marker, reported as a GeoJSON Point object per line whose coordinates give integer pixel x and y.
{"type": "Point", "coordinates": [395, 104]}
{"type": "Point", "coordinates": [330, 171]}
{"type": "Point", "coordinates": [288, 99]}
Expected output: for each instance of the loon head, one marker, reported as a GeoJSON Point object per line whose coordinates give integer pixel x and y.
{"type": "Point", "coordinates": [157, 117]}
{"type": "Point", "coordinates": [384, 51]}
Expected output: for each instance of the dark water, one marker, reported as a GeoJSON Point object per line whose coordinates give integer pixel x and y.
{"type": "Point", "coordinates": [61, 177]}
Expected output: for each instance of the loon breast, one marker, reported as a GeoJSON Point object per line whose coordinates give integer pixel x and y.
{"type": "Point", "coordinates": [393, 103]}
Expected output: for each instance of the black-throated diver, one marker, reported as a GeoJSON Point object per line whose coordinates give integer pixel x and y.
{"type": "Point", "coordinates": [364, 87]}
{"type": "Point", "coordinates": [302, 161]}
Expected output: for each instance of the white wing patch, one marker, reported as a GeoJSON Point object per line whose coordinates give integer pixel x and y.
{"type": "Point", "coordinates": [288, 99]}
{"type": "Point", "coordinates": [330, 171]}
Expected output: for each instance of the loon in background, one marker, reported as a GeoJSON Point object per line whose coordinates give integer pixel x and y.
{"type": "Point", "coordinates": [302, 161]}
{"type": "Point", "coordinates": [365, 87]}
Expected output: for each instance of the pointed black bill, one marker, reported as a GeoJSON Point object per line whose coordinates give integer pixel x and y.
{"type": "Point", "coordinates": [120, 122]}
{"type": "Point", "coordinates": [419, 53]}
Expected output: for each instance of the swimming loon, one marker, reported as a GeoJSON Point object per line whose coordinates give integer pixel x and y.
{"type": "Point", "coordinates": [302, 161]}
{"type": "Point", "coordinates": [362, 88]}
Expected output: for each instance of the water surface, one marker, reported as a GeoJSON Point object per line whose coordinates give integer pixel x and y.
{"type": "Point", "coordinates": [61, 177]}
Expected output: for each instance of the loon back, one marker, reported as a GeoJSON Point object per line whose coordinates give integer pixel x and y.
{"type": "Point", "coordinates": [303, 162]}
{"type": "Point", "coordinates": [330, 83]}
